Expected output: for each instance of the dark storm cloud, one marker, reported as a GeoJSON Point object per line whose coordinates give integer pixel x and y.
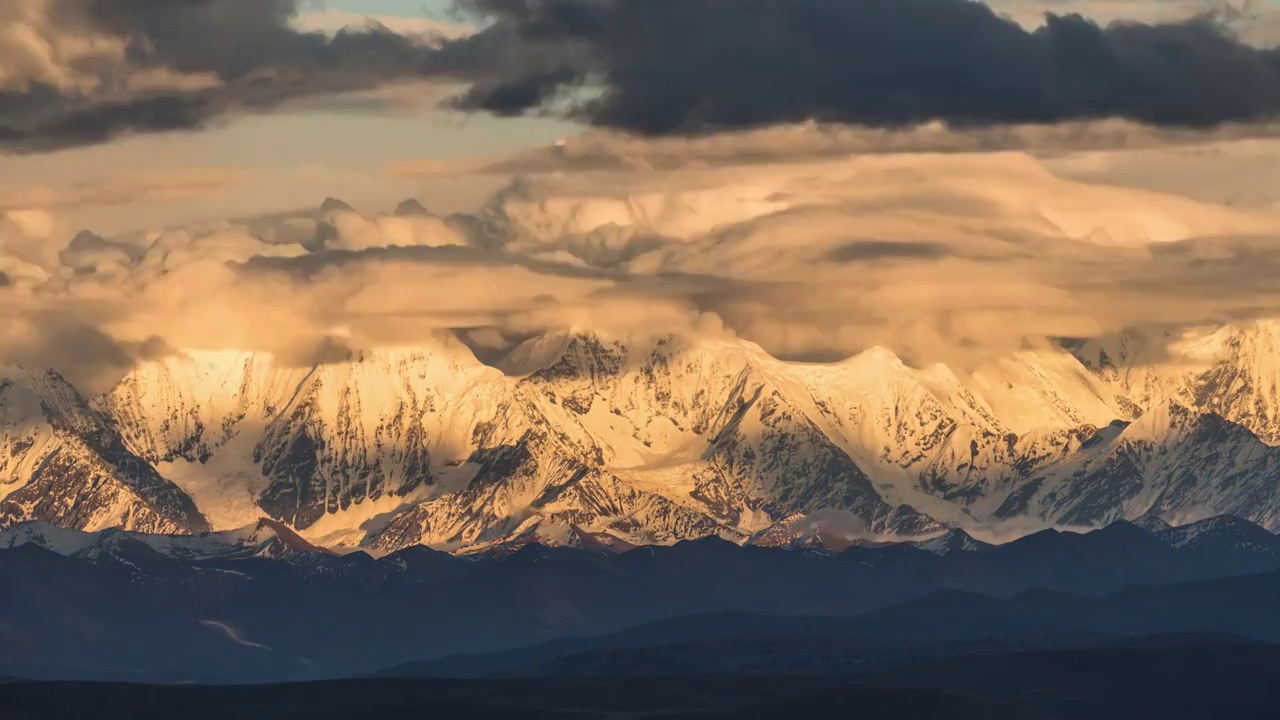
{"type": "Point", "coordinates": [237, 38]}
{"type": "Point", "coordinates": [181, 64]}
{"type": "Point", "coordinates": [58, 122]}
{"type": "Point", "coordinates": [694, 67]}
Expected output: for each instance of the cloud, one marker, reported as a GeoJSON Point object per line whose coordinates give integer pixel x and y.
{"type": "Point", "coordinates": [604, 150]}
{"type": "Point", "coordinates": [341, 228]}
{"type": "Point", "coordinates": [1236, 172]}
{"type": "Point", "coordinates": [943, 257]}
{"type": "Point", "coordinates": [956, 257]}
{"type": "Point", "coordinates": [28, 241]}
{"type": "Point", "coordinates": [692, 68]}
{"type": "Point", "coordinates": [76, 72]}
{"type": "Point", "coordinates": [36, 224]}
{"type": "Point", "coordinates": [1254, 22]}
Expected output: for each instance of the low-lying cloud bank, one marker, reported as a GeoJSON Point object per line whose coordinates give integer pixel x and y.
{"type": "Point", "coordinates": [75, 72]}
{"type": "Point", "coordinates": [958, 258]}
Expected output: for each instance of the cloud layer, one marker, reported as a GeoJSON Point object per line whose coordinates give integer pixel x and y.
{"type": "Point", "coordinates": [958, 257]}
{"type": "Point", "coordinates": [668, 68]}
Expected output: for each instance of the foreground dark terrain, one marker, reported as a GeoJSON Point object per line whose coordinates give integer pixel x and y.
{"type": "Point", "coordinates": [1160, 680]}
{"type": "Point", "coordinates": [1130, 621]}
{"type": "Point", "coordinates": [127, 608]}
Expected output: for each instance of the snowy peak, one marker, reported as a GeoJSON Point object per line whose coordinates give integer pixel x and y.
{"type": "Point", "coordinates": [1243, 384]}
{"type": "Point", "coordinates": [66, 463]}
{"type": "Point", "coordinates": [379, 426]}
{"type": "Point", "coordinates": [250, 434]}
{"type": "Point", "coordinates": [1233, 371]}
{"type": "Point", "coordinates": [187, 406]}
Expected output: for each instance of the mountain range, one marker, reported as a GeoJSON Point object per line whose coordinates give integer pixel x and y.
{"type": "Point", "coordinates": [259, 604]}
{"type": "Point", "coordinates": [577, 438]}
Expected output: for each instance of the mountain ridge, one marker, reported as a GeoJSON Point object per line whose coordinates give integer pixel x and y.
{"type": "Point", "coordinates": [642, 441]}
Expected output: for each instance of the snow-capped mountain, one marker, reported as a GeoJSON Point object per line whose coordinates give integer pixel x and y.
{"type": "Point", "coordinates": [63, 462]}
{"type": "Point", "coordinates": [1232, 371]}
{"type": "Point", "coordinates": [649, 440]}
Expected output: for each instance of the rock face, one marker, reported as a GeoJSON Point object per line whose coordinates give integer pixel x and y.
{"type": "Point", "coordinates": [650, 440]}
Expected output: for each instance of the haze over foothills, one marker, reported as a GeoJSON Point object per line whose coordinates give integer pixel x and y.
{"type": "Point", "coordinates": [914, 264]}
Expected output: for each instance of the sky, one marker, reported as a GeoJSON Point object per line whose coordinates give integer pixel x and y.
{"type": "Point", "coordinates": [294, 155]}
{"type": "Point", "coordinates": [287, 159]}
{"type": "Point", "coordinates": [816, 176]}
